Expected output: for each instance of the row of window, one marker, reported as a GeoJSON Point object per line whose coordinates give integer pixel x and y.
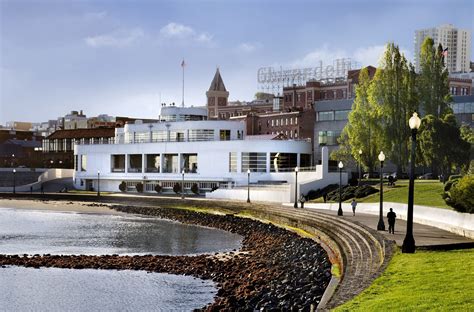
{"type": "Point", "coordinates": [282, 122]}
{"type": "Point", "coordinates": [328, 137]}
{"type": "Point", "coordinates": [463, 108]}
{"type": "Point", "coordinates": [454, 91]}
{"type": "Point", "coordinates": [257, 162]}
{"type": "Point", "coordinates": [179, 136]}
{"type": "Point", "coordinates": [333, 115]}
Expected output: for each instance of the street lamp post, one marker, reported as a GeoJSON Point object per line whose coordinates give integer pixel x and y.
{"type": "Point", "coordinates": [98, 183]}
{"type": "Point", "coordinates": [339, 211]}
{"type": "Point", "coordinates": [409, 242]}
{"type": "Point", "coordinates": [182, 184]}
{"type": "Point", "coordinates": [13, 160]}
{"type": "Point", "coordinates": [296, 188]}
{"type": "Point", "coordinates": [360, 169]}
{"type": "Point", "coordinates": [248, 185]}
{"type": "Point", "coordinates": [14, 181]}
{"type": "Point", "coordinates": [381, 224]}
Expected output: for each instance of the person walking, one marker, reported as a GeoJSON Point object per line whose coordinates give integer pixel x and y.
{"type": "Point", "coordinates": [354, 205]}
{"type": "Point", "coordinates": [391, 216]}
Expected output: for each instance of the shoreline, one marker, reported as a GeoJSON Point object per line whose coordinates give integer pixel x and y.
{"type": "Point", "coordinates": [59, 206]}
{"type": "Point", "coordinates": [274, 269]}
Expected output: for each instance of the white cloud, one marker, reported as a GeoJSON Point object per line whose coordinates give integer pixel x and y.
{"type": "Point", "coordinates": [95, 15]}
{"type": "Point", "coordinates": [248, 47]}
{"type": "Point", "coordinates": [182, 32]}
{"type": "Point", "coordinates": [119, 38]}
{"type": "Point", "coordinates": [176, 30]}
{"type": "Point", "coordinates": [204, 37]}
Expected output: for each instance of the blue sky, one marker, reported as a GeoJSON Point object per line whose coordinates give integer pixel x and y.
{"type": "Point", "coordinates": [118, 57]}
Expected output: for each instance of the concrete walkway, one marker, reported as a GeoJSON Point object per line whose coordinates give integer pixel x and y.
{"type": "Point", "coordinates": [424, 235]}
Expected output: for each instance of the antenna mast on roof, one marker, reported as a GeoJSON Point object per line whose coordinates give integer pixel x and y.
{"type": "Point", "coordinates": [183, 64]}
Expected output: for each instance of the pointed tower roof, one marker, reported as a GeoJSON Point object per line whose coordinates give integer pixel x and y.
{"type": "Point", "coordinates": [217, 83]}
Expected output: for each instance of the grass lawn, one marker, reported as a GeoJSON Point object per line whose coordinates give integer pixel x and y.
{"type": "Point", "coordinates": [427, 193]}
{"type": "Point", "coordinates": [424, 281]}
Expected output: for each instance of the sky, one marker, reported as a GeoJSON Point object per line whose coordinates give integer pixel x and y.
{"type": "Point", "coordinates": [123, 57]}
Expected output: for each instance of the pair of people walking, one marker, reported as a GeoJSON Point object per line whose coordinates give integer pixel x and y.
{"type": "Point", "coordinates": [391, 217]}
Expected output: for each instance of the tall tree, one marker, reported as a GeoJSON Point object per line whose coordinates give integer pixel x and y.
{"type": "Point", "coordinates": [433, 80]}
{"type": "Point", "coordinates": [363, 130]}
{"type": "Point", "coordinates": [441, 146]}
{"type": "Point", "coordinates": [394, 90]}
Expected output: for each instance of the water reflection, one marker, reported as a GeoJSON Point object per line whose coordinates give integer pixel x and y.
{"type": "Point", "coordinates": [52, 289]}
{"type": "Point", "coordinates": [40, 232]}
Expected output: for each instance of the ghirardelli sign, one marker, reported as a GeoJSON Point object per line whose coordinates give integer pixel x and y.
{"type": "Point", "coordinates": [270, 77]}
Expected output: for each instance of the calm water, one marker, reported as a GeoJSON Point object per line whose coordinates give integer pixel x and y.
{"type": "Point", "coordinates": [41, 232]}
{"type": "Point", "coordinates": [51, 289]}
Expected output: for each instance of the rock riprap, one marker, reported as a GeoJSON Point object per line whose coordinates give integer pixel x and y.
{"type": "Point", "coordinates": [274, 270]}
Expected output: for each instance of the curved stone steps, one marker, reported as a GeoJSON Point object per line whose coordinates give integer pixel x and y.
{"type": "Point", "coordinates": [363, 252]}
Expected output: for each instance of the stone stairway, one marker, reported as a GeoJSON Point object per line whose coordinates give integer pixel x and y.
{"type": "Point", "coordinates": [361, 253]}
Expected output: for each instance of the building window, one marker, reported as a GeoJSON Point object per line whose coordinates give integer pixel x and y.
{"type": "Point", "coordinates": [341, 115]}
{"type": "Point", "coordinates": [273, 123]}
{"type": "Point", "coordinates": [171, 163]}
{"type": "Point", "coordinates": [232, 162]}
{"type": "Point", "coordinates": [153, 163]}
{"type": "Point", "coordinates": [305, 160]}
{"type": "Point", "coordinates": [326, 116]}
{"type": "Point", "coordinates": [328, 137]}
{"type": "Point", "coordinates": [118, 163]}
{"type": "Point", "coordinates": [83, 162]}
{"type": "Point", "coordinates": [255, 162]}
{"type": "Point", "coordinates": [142, 137]}
{"type": "Point", "coordinates": [135, 163]}
{"type": "Point", "coordinates": [190, 163]}
{"type": "Point", "coordinates": [296, 120]}
{"type": "Point", "coordinates": [291, 120]}
{"type": "Point", "coordinates": [201, 135]}
{"type": "Point", "coordinates": [286, 122]}
{"type": "Point", "coordinates": [277, 122]}
{"type": "Point", "coordinates": [224, 135]}
{"type": "Point", "coordinates": [282, 161]}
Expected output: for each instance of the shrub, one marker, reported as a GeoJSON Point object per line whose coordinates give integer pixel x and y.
{"type": "Point", "coordinates": [451, 182]}
{"type": "Point", "coordinates": [158, 188]}
{"type": "Point", "coordinates": [462, 195]}
{"type": "Point", "coordinates": [195, 188]}
{"type": "Point", "coordinates": [123, 186]}
{"type": "Point", "coordinates": [139, 187]}
{"type": "Point", "coordinates": [454, 177]}
{"type": "Point", "coordinates": [364, 191]}
{"type": "Point", "coordinates": [177, 188]}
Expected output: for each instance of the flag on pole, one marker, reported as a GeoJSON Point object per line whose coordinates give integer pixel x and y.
{"type": "Point", "coordinates": [444, 53]}
{"type": "Point", "coordinates": [183, 63]}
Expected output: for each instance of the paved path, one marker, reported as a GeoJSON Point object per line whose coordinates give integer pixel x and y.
{"type": "Point", "coordinates": [424, 235]}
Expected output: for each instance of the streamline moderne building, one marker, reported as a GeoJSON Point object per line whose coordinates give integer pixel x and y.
{"type": "Point", "coordinates": [209, 153]}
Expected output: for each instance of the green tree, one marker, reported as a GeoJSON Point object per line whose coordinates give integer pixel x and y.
{"type": "Point", "coordinates": [441, 146]}
{"type": "Point", "coordinates": [363, 130]}
{"type": "Point", "coordinates": [433, 81]}
{"type": "Point", "coordinates": [394, 90]}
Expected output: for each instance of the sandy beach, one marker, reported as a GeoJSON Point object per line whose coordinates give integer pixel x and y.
{"type": "Point", "coordinates": [62, 206]}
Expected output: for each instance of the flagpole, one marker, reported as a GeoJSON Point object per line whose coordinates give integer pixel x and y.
{"type": "Point", "coordinates": [182, 65]}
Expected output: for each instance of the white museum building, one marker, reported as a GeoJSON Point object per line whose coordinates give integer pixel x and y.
{"type": "Point", "coordinates": [187, 149]}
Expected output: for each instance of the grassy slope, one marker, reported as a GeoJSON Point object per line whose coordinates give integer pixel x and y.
{"type": "Point", "coordinates": [427, 193]}
{"type": "Point", "coordinates": [424, 281]}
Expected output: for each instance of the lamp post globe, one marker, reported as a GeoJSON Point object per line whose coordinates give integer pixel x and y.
{"type": "Point", "coordinates": [248, 185]}
{"type": "Point", "coordinates": [14, 181]}
{"type": "Point", "coordinates": [381, 224]}
{"type": "Point", "coordinates": [409, 241]}
{"type": "Point", "coordinates": [296, 188]}
{"type": "Point", "coordinates": [340, 166]}
{"type": "Point", "coordinates": [360, 168]}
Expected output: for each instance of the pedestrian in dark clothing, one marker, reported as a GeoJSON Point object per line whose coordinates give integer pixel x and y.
{"type": "Point", "coordinates": [391, 216]}
{"type": "Point", "coordinates": [42, 189]}
{"type": "Point", "coordinates": [325, 196]}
